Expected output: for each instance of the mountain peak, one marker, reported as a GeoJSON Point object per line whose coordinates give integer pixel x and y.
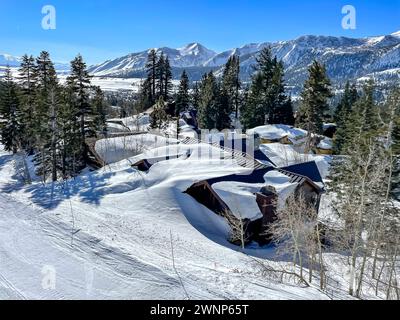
{"type": "Point", "coordinates": [192, 45]}
{"type": "Point", "coordinates": [196, 49]}
{"type": "Point", "coordinates": [396, 34]}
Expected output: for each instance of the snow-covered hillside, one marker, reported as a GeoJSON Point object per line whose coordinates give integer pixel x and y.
{"type": "Point", "coordinates": [109, 235]}
{"type": "Point", "coordinates": [191, 55]}
{"type": "Point", "coordinates": [119, 233]}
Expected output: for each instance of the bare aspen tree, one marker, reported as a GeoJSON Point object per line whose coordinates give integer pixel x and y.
{"type": "Point", "coordinates": [296, 231]}
{"type": "Point", "coordinates": [362, 202]}
{"type": "Point", "coordinates": [238, 228]}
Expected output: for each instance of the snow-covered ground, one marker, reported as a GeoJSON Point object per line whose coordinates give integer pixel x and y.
{"type": "Point", "coordinates": [108, 84]}
{"type": "Point", "coordinates": [107, 235]}
{"type": "Point", "coordinates": [112, 84]}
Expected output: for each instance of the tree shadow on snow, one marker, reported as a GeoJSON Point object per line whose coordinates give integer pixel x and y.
{"type": "Point", "coordinates": [5, 159]}
{"type": "Point", "coordinates": [90, 188]}
{"type": "Point", "coordinates": [16, 181]}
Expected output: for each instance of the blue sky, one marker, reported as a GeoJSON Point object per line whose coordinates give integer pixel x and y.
{"type": "Point", "coordinates": [104, 29]}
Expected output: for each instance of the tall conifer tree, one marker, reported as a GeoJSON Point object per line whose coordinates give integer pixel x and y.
{"type": "Point", "coordinates": [11, 125]}
{"type": "Point", "coordinates": [314, 99]}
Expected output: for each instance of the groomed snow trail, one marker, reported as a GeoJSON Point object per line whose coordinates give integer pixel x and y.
{"type": "Point", "coordinates": [32, 244]}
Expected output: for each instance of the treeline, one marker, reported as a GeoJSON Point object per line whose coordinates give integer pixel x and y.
{"type": "Point", "coordinates": [49, 120]}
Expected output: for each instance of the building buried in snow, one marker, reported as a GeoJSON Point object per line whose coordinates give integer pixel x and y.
{"type": "Point", "coordinates": [255, 197]}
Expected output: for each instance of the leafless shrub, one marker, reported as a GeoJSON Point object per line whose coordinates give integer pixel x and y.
{"type": "Point", "coordinates": [297, 232]}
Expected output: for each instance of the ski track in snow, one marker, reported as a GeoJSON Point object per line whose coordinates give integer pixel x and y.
{"type": "Point", "coordinates": [38, 242]}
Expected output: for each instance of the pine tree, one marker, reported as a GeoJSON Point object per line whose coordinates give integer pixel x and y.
{"type": "Point", "coordinates": [27, 97]}
{"type": "Point", "coordinates": [47, 159]}
{"type": "Point", "coordinates": [396, 136]}
{"type": "Point", "coordinates": [349, 98]}
{"type": "Point", "coordinates": [69, 128]}
{"type": "Point", "coordinates": [285, 113]}
{"type": "Point", "coordinates": [231, 84]}
{"type": "Point", "coordinates": [265, 65]}
{"type": "Point", "coordinates": [266, 101]}
{"type": "Point", "coordinates": [208, 102]}
{"type": "Point", "coordinates": [395, 188]}
{"type": "Point", "coordinates": [314, 99]}
{"type": "Point", "coordinates": [145, 98]}
{"type": "Point", "coordinates": [46, 79]}
{"type": "Point", "coordinates": [392, 118]}
{"type": "Point", "coordinates": [79, 82]}
{"type": "Point", "coordinates": [281, 110]}
{"type": "Point", "coordinates": [159, 117]}
{"type": "Point", "coordinates": [45, 117]}
{"type": "Point", "coordinates": [167, 80]}
{"type": "Point", "coordinates": [99, 122]}
{"type": "Point", "coordinates": [214, 109]}
{"type": "Point", "coordinates": [363, 120]}
{"type": "Point", "coordinates": [223, 109]}
{"type": "Point", "coordinates": [11, 120]}
{"type": "Point", "coordinates": [151, 68]}
{"type": "Point", "coordinates": [369, 109]}
{"type": "Point", "coordinates": [54, 104]}
{"type": "Point", "coordinates": [160, 74]}
{"type": "Point", "coordinates": [45, 73]}
{"type": "Point", "coordinates": [182, 97]}
{"type": "Point", "coordinates": [195, 96]}
{"type": "Point", "coordinates": [342, 118]}
{"type": "Point", "coordinates": [253, 111]}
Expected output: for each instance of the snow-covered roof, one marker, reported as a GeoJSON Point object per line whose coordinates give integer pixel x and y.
{"type": "Point", "coordinates": [113, 150]}
{"type": "Point", "coordinates": [326, 144]}
{"type": "Point", "coordinates": [240, 198]}
{"type": "Point", "coordinates": [326, 126]}
{"type": "Point", "coordinates": [282, 185]}
{"type": "Point", "coordinates": [278, 131]}
{"type": "Point", "coordinates": [281, 154]}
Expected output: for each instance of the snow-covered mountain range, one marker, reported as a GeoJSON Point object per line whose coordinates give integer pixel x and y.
{"type": "Point", "coordinates": [345, 58]}
{"type": "Point", "coordinates": [14, 61]}
{"type": "Point", "coordinates": [9, 60]}
{"type": "Point", "coordinates": [193, 56]}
